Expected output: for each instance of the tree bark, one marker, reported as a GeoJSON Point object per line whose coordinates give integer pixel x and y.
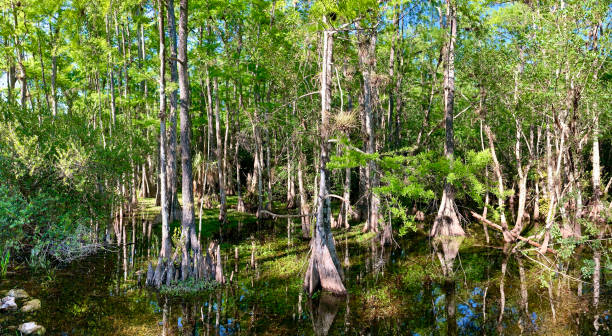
{"type": "Point", "coordinates": [20, 59]}
{"type": "Point", "coordinates": [367, 59]}
{"type": "Point", "coordinates": [551, 189]}
{"type": "Point", "coordinates": [172, 140]}
{"type": "Point", "coordinates": [240, 203]}
{"type": "Point", "coordinates": [111, 80]}
{"type": "Point", "coordinates": [346, 205]}
{"type": "Point", "coordinates": [220, 156]}
{"type": "Point", "coordinates": [166, 244]}
{"type": "Point", "coordinates": [304, 208]}
{"type": "Point", "coordinates": [447, 222]}
{"type": "Point", "coordinates": [595, 214]}
{"type": "Point", "coordinates": [188, 235]}
{"type": "Point", "coordinates": [290, 167]}
{"type": "Point", "coordinates": [324, 268]}
{"type": "Point", "coordinates": [522, 174]}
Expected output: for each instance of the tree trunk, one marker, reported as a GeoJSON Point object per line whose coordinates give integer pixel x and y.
{"type": "Point", "coordinates": [240, 203]}
{"type": "Point", "coordinates": [304, 208]}
{"type": "Point", "coordinates": [346, 205]}
{"type": "Point", "coordinates": [269, 197]}
{"type": "Point", "coordinates": [447, 222]}
{"type": "Point", "coordinates": [324, 269]}
{"type": "Point", "coordinates": [227, 181]}
{"type": "Point", "coordinates": [172, 141]}
{"type": "Point", "coordinates": [596, 205]}
{"type": "Point", "coordinates": [367, 59]}
{"type": "Point", "coordinates": [220, 156]}
{"type": "Point", "coordinates": [209, 120]}
{"type": "Point", "coordinates": [550, 216]}
{"type": "Point", "coordinates": [20, 59]}
{"type": "Point", "coordinates": [188, 235]}
{"type": "Point", "coordinates": [595, 214]}
{"type": "Point", "coordinates": [290, 168]}
{"type": "Point", "coordinates": [522, 174]}
{"type": "Point", "coordinates": [166, 244]}
{"type": "Point", "coordinates": [111, 80]}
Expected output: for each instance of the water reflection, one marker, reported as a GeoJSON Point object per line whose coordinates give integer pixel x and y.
{"type": "Point", "coordinates": [323, 311]}
{"type": "Point", "coordinates": [405, 290]}
{"type": "Point", "coordinates": [447, 248]}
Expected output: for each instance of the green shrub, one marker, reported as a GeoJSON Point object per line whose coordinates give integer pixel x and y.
{"type": "Point", "coordinates": [58, 182]}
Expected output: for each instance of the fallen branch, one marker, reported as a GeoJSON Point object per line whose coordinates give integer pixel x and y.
{"type": "Point", "coordinates": [294, 216]}
{"type": "Point", "coordinates": [336, 196]}
{"type": "Point", "coordinates": [283, 216]}
{"type": "Point", "coordinates": [499, 228]}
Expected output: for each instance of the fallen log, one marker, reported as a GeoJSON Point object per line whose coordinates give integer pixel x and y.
{"type": "Point", "coordinates": [499, 228]}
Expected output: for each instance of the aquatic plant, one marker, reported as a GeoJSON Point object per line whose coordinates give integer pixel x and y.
{"type": "Point", "coordinates": [189, 287]}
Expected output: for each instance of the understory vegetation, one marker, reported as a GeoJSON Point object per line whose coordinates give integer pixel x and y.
{"type": "Point", "coordinates": [54, 192]}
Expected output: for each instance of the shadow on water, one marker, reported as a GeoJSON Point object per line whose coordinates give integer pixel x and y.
{"type": "Point", "coordinates": [444, 287]}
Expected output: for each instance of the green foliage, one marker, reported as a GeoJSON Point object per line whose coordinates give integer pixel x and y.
{"type": "Point", "coordinates": [4, 262]}
{"type": "Point", "coordinates": [55, 186]}
{"type": "Point", "coordinates": [406, 179]}
{"type": "Point", "coordinates": [176, 240]}
{"type": "Point", "coordinates": [13, 216]}
{"type": "Point", "coordinates": [588, 265]}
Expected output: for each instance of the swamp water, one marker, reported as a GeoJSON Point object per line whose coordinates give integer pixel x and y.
{"type": "Point", "coordinates": [413, 288]}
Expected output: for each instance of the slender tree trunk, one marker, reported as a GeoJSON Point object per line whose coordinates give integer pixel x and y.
{"type": "Point", "coordinates": [220, 156]}
{"type": "Point", "coordinates": [226, 140]}
{"type": "Point", "coordinates": [111, 78]}
{"type": "Point", "coordinates": [290, 167]}
{"type": "Point", "coordinates": [20, 59]}
{"type": "Point", "coordinates": [447, 222]}
{"type": "Point", "coordinates": [209, 117]}
{"type": "Point", "coordinates": [324, 269]}
{"type": "Point", "coordinates": [259, 168]}
{"type": "Point", "coordinates": [595, 215]}
{"type": "Point", "coordinates": [596, 206]}
{"type": "Point", "coordinates": [536, 201]}
{"type": "Point", "coordinates": [240, 203]}
{"type": "Point", "coordinates": [346, 205]}
{"type": "Point", "coordinates": [487, 199]}
{"type": "Point", "coordinates": [366, 59]}
{"type": "Point", "coordinates": [269, 199]}
{"type": "Point", "coordinates": [304, 208]}
{"type": "Point", "coordinates": [290, 184]}
{"type": "Point", "coordinates": [188, 234]}
{"type": "Point", "coordinates": [10, 75]}
{"type": "Point", "coordinates": [550, 216]}
{"type": "Point", "coordinates": [166, 244]}
{"type": "Point", "coordinates": [172, 140]}
{"type": "Point", "coordinates": [391, 88]}
{"type": "Point", "coordinates": [522, 174]}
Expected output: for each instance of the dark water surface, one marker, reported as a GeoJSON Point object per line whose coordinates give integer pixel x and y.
{"type": "Point", "coordinates": [413, 288]}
